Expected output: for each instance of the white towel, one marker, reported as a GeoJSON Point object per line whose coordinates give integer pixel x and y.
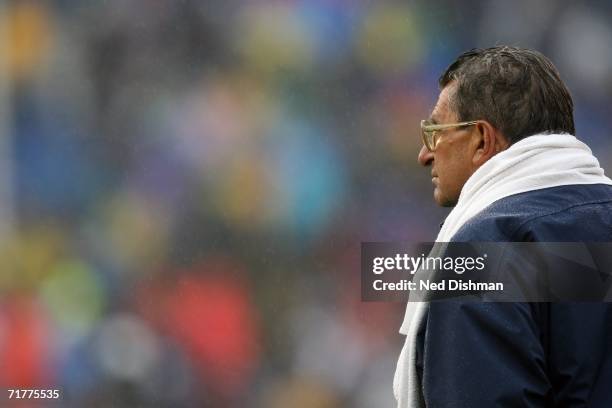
{"type": "Point", "coordinates": [533, 163]}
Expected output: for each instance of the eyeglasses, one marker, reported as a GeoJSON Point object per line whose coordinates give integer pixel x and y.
{"type": "Point", "coordinates": [429, 131]}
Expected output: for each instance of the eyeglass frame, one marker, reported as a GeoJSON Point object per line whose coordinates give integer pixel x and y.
{"type": "Point", "coordinates": [428, 131]}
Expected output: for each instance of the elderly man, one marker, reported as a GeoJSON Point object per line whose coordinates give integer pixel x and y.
{"type": "Point", "coordinates": [501, 150]}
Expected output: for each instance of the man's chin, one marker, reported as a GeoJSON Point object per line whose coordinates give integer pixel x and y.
{"type": "Point", "coordinates": [442, 200]}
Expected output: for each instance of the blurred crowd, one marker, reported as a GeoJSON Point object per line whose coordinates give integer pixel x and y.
{"type": "Point", "coordinates": [184, 186]}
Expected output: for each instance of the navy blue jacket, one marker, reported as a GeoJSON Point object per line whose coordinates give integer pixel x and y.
{"type": "Point", "coordinates": [473, 354]}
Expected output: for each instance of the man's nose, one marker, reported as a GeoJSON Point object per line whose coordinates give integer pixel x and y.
{"type": "Point", "coordinates": [425, 156]}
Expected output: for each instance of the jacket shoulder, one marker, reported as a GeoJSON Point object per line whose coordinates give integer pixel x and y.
{"type": "Point", "coordinates": [564, 213]}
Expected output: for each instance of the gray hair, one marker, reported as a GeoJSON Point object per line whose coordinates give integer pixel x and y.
{"type": "Point", "coordinates": [519, 91]}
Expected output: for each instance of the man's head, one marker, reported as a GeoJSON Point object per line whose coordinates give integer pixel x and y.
{"type": "Point", "coordinates": [510, 93]}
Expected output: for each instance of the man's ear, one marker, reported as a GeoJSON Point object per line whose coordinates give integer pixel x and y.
{"type": "Point", "coordinates": [487, 142]}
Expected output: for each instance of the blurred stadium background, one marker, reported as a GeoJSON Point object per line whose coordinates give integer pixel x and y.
{"type": "Point", "coordinates": [184, 186]}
